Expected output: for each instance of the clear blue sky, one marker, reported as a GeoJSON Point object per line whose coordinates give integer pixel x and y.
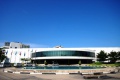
{"type": "Point", "coordinates": [70, 23]}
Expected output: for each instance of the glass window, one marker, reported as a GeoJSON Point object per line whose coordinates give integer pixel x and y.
{"type": "Point", "coordinates": [63, 53]}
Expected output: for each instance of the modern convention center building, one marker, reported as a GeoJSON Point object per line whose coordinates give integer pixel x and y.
{"type": "Point", "coordinates": [56, 54]}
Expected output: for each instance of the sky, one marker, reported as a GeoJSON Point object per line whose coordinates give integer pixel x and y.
{"type": "Point", "coordinates": [69, 23]}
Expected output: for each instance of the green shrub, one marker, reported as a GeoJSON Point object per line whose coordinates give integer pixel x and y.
{"type": "Point", "coordinates": [97, 63]}
{"type": "Point", "coordinates": [79, 62]}
{"type": "Point", "coordinates": [45, 62]}
{"type": "Point", "coordinates": [117, 64]}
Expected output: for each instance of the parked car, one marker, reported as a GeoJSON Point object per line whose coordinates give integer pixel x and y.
{"type": "Point", "coordinates": [28, 64]}
{"type": "Point", "coordinates": [18, 64]}
{"type": "Point", "coordinates": [2, 65]}
{"type": "Point", "coordinates": [5, 64]}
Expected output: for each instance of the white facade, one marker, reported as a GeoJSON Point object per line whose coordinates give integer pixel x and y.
{"type": "Point", "coordinates": [15, 45]}
{"type": "Point", "coordinates": [15, 55]}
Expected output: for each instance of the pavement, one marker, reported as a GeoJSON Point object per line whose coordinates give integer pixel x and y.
{"type": "Point", "coordinates": [13, 76]}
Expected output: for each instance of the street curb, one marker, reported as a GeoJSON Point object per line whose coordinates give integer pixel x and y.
{"type": "Point", "coordinates": [9, 71]}
{"type": "Point", "coordinates": [48, 73]}
{"type": "Point", "coordinates": [24, 72]}
{"type": "Point", "coordinates": [36, 73]}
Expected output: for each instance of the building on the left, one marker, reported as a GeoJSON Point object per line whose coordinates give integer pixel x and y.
{"type": "Point", "coordinates": [8, 46]}
{"type": "Point", "coordinates": [15, 45]}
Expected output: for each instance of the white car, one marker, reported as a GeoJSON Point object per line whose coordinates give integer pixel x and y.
{"type": "Point", "coordinates": [17, 64]}
{"type": "Point", "coordinates": [1, 65]}
{"type": "Point", "coordinates": [28, 64]}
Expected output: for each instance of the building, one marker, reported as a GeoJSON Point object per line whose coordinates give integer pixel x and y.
{"type": "Point", "coordinates": [57, 54]}
{"type": "Point", "coordinates": [15, 45]}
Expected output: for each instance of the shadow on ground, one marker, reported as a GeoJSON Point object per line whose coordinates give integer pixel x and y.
{"type": "Point", "coordinates": [103, 78]}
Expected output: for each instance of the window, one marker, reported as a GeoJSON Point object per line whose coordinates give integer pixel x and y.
{"type": "Point", "coordinates": [63, 53]}
{"type": "Point", "coordinates": [7, 43]}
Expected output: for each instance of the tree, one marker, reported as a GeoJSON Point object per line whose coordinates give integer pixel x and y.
{"type": "Point", "coordinates": [118, 55]}
{"type": "Point", "coordinates": [2, 55]}
{"type": "Point", "coordinates": [113, 56]}
{"type": "Point", "coordinates": [102, 56]}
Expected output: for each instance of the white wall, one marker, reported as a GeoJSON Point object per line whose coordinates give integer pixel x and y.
{"type": "Point", "coordinates": [15, 57]}
{"type": "Point", "coordinates": [13, 45]}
